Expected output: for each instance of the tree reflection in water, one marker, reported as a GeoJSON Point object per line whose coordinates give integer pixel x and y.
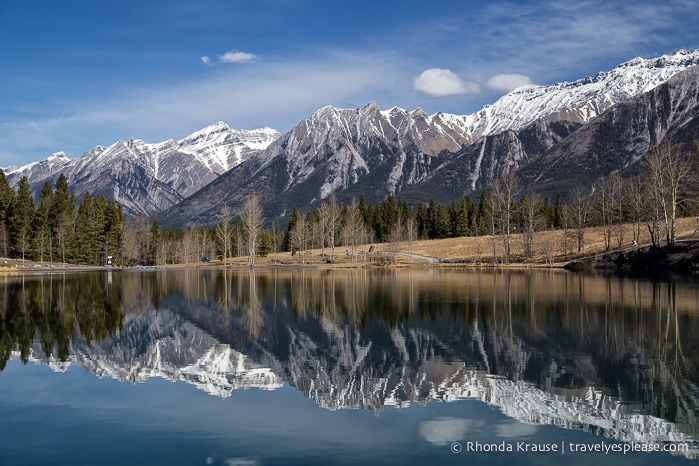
{"type": "Point", "coordinates": [58, 309]}
{"type": "Point", "coordinates": [380, 336]}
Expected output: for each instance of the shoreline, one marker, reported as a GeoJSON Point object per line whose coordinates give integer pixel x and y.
{"type": "Point", "coordinates": [554, 249]}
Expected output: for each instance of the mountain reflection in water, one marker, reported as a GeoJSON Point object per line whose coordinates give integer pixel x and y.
{"type": "Point", "coordinates": [613, 356]}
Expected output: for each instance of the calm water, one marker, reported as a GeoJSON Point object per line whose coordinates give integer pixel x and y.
{"type": "Point", "coordinates": [348, 367]}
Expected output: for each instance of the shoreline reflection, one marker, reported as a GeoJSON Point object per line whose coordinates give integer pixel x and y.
{"type": "Point", "coordinates": [613, 356]}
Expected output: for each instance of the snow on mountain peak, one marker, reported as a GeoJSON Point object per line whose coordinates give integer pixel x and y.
{"type": "Point", "coordinates": [58, 157]}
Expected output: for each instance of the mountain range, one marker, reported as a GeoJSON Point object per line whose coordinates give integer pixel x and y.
{"type": "Point", "coordinates": [150, 178]}
{"type": "Point", "coordinates": [554, 137]}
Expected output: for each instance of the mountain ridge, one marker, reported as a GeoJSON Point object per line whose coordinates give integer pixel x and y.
{"type": "Point", "coordinates": [351, 151]}
{"type": "Point", "coordinates": [147, 178]}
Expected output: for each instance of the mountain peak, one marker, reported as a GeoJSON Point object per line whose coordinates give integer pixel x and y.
{"type": "Point", "coordinates": [58, 157]}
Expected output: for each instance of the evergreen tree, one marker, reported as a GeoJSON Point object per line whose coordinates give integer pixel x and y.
{"type": "Point", "coordinates": [463, 217]}
{"type": "Point", "coordinates": [62, 218]}
{"type": "Point", "coordinates": [42, 226]}
{"type": "Point", "coordinates": [84, 232]}
{"type": "Point", "coordinates": [264, 245]}
{"type": "Point", "coordinates": [442, 222]}
{"type": "Point", "coordinates": [385, 218]}
{"type": "Point", "coordinates": [21, 218]}
{"type": "Point", "coordinates": [153, 257]}
{"type": "Point", "coordinates": [7, 195]}
{"type": "Point", "coordinates": [483, 214]}
{"type": "Point", "coordinates": [366, 210]}
{"type": "Point", "coordinates": [432, 219]}
{"type": "Point", "coordinates": [98, 223]}
{"type": "Point", "coordinates": [423, 224]}
{"type": "Point", "coordinates": [558, 209]}
{"type": "Point", "coordinates": [293, 219]}
{"type": "Point", "coordinates": [113, 230]}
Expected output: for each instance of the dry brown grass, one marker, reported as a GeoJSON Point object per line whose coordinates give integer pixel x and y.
{"type": "Point", "coordinates": [549, 250]}
{"type": "Point", "coordinates": [549, 247]}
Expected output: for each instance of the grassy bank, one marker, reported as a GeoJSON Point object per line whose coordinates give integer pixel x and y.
{"type": "Point", "coordinates": [551, 249]}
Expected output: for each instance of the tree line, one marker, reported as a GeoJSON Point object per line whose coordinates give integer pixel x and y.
{"type": "Point", "coordinates": [57, 227]}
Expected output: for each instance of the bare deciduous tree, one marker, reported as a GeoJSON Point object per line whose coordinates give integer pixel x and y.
{"type": "Point", "coordinates": [224, 234]}
{"type": "Point", "coordinates": [636, 200]}
{"type": "Point", "coordinates": [667, 170]}
{"type": "Point", "coordinates": [578, 215]}
{"type": "Point", "coordinates": [505, 191]}
{"type": "Point", "coordinates": [299, 237]}
{"type": "Point", "coordinates": [333, 223]}
{"type": "Point", "coordinates": [532, 221]}
{"type": "Point", "coordinates": [354, 227]}
{"type": "Point", "coordinates": [252, 219]}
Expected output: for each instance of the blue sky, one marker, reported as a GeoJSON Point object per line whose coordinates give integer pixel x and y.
{"type": "Point", "coordinates": [79, 73]}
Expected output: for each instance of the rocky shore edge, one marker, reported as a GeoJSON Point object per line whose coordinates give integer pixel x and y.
{"type": "Point", "coordinates": [682, 257]}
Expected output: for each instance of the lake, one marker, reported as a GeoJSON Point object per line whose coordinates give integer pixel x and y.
{"type": "Point", "coordinates": [305, 366]}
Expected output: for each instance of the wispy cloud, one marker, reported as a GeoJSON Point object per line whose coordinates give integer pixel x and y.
{"type": "Point", "coordinates": [236, 56]}
{"type": "Point", "coordinates": [470, 58]}
{"type": "Point", "coordinates": [277, 93]}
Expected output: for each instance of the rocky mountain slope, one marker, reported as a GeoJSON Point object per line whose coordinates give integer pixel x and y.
{"type": "Point", "coordinates": [554, 157]}
{"type": "Point", "coordinates": [149, 178]}
{"type": "Point", "coordinates": [443, 156]}
{"type": "Point", "coordinates": [592, 126]}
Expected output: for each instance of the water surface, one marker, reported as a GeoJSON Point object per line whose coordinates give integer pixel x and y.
{"type": "Point", "coordinates": [344, 367]}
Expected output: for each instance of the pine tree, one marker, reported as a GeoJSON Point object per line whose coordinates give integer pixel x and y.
{"type": "Point", "coordinates": [62, 218]}
{"type": "Point", "coordinates": [483, 214]}
{"type": "Point", "coordinates": [7, 195]}
{"type": "Point", "coordinates": [286, 242]}
{"type": "Point", "coordinates": [432, 219]}
{"type": "Point", "coordinates": [84, 231]}
{"type": "Point", "coordinates": [42, 227]}
{"type": "Point", "coordinates": [114, 227]}
{"type": "Point", "coordinates": [366, 209]}
{"type": "Point", "coordinates": [463, 217]}
{"type": "Point", "coordinates": [153, 257]}
{"type": "Point", "coordinates": [21, 218]}
{"type": "Point", "coordinates": [98, 223]}
{"type": "Point", "coordinates": [423, 227]}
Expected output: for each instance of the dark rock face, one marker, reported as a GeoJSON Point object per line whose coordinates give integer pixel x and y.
{"type": "Point", "coordinates": [349, 152]}
{"type": "Point", "coordinates": [682, 257]}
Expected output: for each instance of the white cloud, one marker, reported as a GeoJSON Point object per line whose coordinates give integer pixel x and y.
{"type": "Point", "coordinates": [507, 82]}
{"type": "Point", "coordinates": [437, 82]}
{"type": "Point", "coordinates": [515, 429]}
{"type": "Point", "coordinates": [241, 462]}
{"type": "Point", "coordinates": [235, 56]}
{"type": "Point", "coordinates": [445, 430]}
{"type": "Point", "coordinates": [206, 60]}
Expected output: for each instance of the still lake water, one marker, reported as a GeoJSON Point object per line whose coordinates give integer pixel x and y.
{"type": "Point", "coordinates": [245, 367]}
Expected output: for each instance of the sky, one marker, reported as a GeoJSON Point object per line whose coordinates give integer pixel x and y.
{"type": "Point", "coordinates": [75, 74]}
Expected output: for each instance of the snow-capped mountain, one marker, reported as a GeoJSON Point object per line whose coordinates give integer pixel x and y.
{"type": "Point", "coordinates": [374, 151]}
{"type": "Point", "coordinates": [148, 178]}
{"type": "Point", "coordinates": [579, 101]}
